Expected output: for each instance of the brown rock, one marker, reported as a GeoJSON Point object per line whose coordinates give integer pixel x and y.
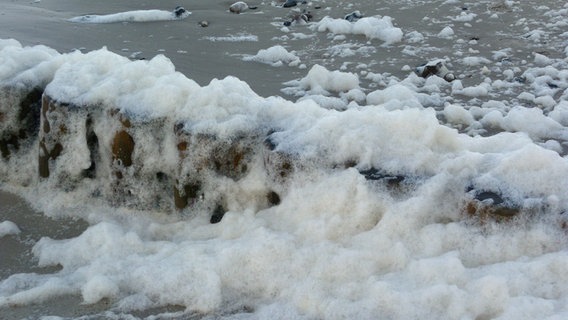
{"type": "Point", "coordinates": [122, 148]}
{"type": "Point", "coordinates": [489, 206]}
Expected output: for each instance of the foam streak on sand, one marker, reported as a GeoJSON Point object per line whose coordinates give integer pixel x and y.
{"type": "Point", "coordinates": [134, 16]}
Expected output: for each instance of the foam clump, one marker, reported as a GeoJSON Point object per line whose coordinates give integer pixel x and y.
{"type": "Point", "coordinates": [372, 27]}
{"type": "Point", "coordinates": [26, 66]}
{"type": "Point", "coordinates": [447, 32]}
{"type": "Point", "coordinates": [102, 77]}
{"type": "Point", "coordinates": [275, 56]}
{"type": "Point", "coordinates": [134, 16]}
{"type": "Point", "coordinates": [8, 228]}
{"type": "Point", "coordinates": [319, 80]}
{"type": "Point", "coordinates": [394, 97]}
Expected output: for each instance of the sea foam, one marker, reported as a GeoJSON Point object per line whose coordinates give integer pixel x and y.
{"type": "Point", "coordinates": [380, 209]}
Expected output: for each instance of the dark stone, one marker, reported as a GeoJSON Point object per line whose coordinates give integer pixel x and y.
{"type": "Point", "coordinates": [231, 158]}
{"type": "Point", "coordinates": [273, 198]}
{"type": "Point", "coordinates": [161, 176]}
{"type": "Point", "coordinates": [290, 3]}
{"type": "Point", "coordinates": [437, 68]}
{"type": "Point", "coordinates": [30, 111]}
{"type": "Point", "coordinates": [93, 145]}
{"type": "Point", "coordinates": [6, 142]}
{"type": "Point", "coordinates": [353, 16]}
{"type": "Point", "coordinates": [179, 11]}
{"type": "Point", "coordinates": [46, 155]}
{"type": "Point", "coordinates": [26, 124]}
{"type": "Point", "coordinates": [284, 169]}
{"type": "Point", "coordinates": [217, 215]}
{"type": "Point", "coordinates": [552, 85]}
{"type": "Point", "coordinates": [52, 133]}
{"type": "Point", "coordinates": [279, 165]}
{"type": "Point", "coordinates": [376, 174]}
{"type": "Point", "coordinates": [269, 143]}
{"type": "Point", "coordinates": [186, 195]}
{"type": "Point", "coordinates": [489, 195]}
{"type": "Point", "coordinates": [489, 205]}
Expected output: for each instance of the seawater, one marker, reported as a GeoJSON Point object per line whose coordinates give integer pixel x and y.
{"type": "Point", "coordinates": [343, 242]}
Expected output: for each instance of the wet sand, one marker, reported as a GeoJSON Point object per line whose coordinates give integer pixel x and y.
{"type": "Point", "coordinates": [16, 255]}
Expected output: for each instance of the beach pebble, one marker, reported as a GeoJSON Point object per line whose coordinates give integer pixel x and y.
{"type": "Point", "coordinates": [240, 6]}
{"type": "Point", "coordinates": [290, 3]}
{"type": "Point", "coordinates": [353, 16]}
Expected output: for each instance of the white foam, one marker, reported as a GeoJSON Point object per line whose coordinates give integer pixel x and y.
{"type": "Point", "coordinates": [131, 16]}
{"type": "Point", "coordinates": [234, 38]}
{"type": "Point", "coordinates": [8, 228]}
{"type": "Point", "coordinates": [372, 27]}
{"type": "Point", "coordinates": [447, 32]}
{"type": "Point", "coordinates": [102, 77]}
{"type": "Point", "coordinates": [275, 56]}
{"type": "Point", "coordinates": [338, 245]}
{"type": "Point", "coordinates": [319, 80]}
{"type": "Point", "coordinates": [394, 97]}
{"type": "Point", "coordinates": [29, 66]}
{"type": "Point", "coordinates": [464, 17]}
{"type": "Point", "coordinates": [475, 61]}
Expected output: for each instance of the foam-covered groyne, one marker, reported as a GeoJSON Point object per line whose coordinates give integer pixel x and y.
{"type": "Point", "coordinates": [119, 126]}
{"type": "Point", "coordinates": [139, 134]}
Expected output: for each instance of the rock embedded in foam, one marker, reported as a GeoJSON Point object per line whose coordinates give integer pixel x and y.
{"type": "Point", "coordinates": [437, 68]}
{"type": "Point", "coordinates": [140, 176]}
{"type": "Point", "coordinates": [227, 157]}
{"type": "Point", "coordinates": [60, 123]}
{"type": "Point", "coordinates": [180, 12]}
{"type": "Point", "coordinates": [207, 158]}
{"type": "Point", "coordinates": [215, 171]}
{"type": "Point", "coordinates": [279, 165]}
{"type": "Point", "coordinates": [353, 16]}
{"type": "Point", "coordinates": [378, 175]}
{"type": "Point", "coordinates": [122, 143]}
{"type": "Point", "coordinates": [487, 206]}
{"type": "Point", "coordinates": [217, 215]}
{"type": "Point", "coordinates": [122, 148]}
{"type": "Point", "coordinates": [100, 142]}
{"type": "Point", "coordinates": [187, 188]}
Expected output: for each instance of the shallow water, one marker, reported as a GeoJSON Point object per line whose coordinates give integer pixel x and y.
{"type": "Point", "coordinates": [186, 44]}
{"type": "Point", "coordinates": [344, 242]}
